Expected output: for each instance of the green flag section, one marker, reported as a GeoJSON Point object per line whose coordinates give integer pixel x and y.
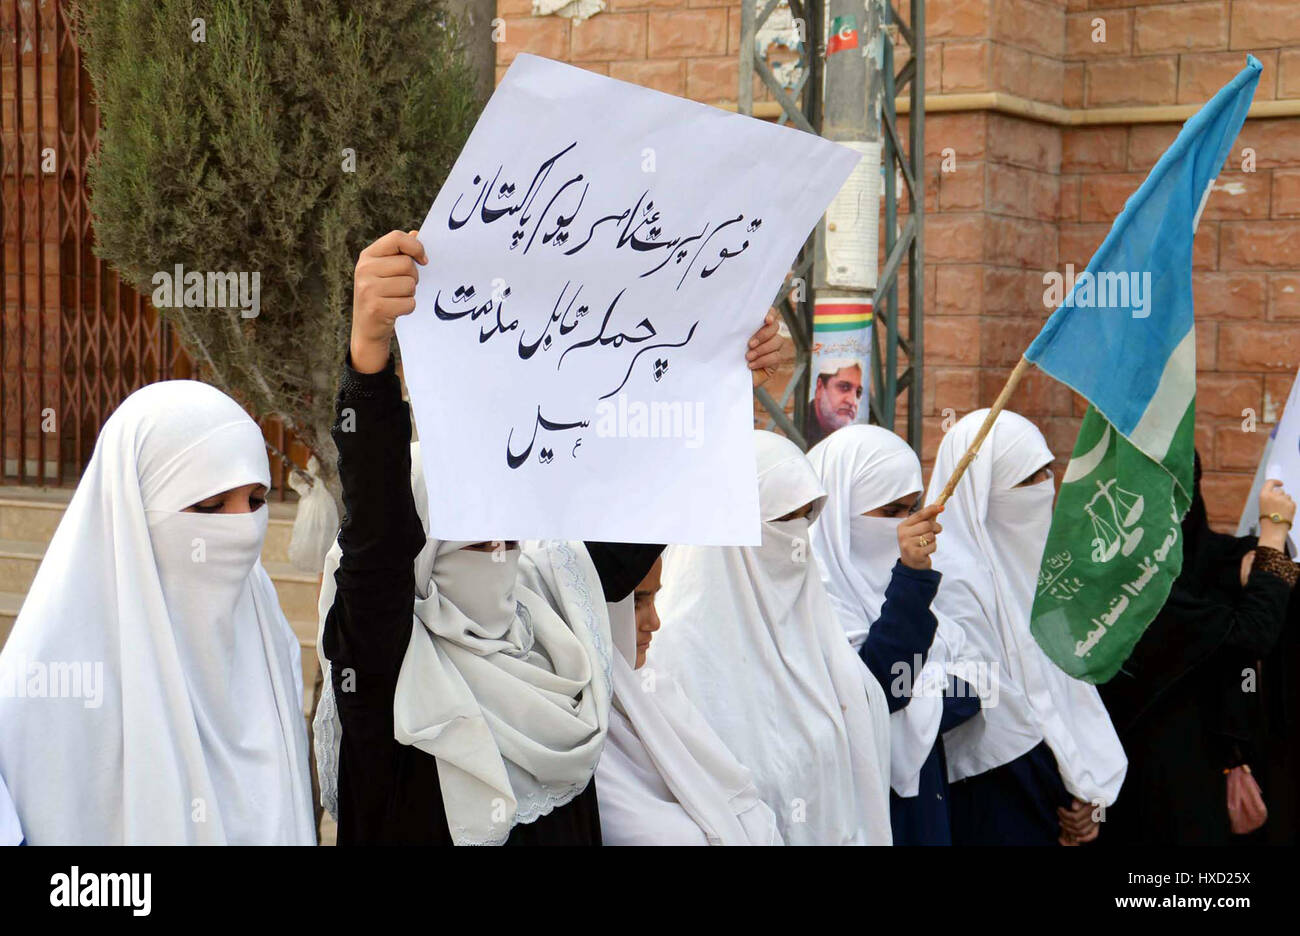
{"type": "Point", "coordinates": [1124, 337]}
{"type": "Point", "coordinates": [1113, 552]}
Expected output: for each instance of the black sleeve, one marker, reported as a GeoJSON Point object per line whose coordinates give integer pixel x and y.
{"type": "Point", "coordinates": [1260, 615]}
{"type": "Point", "coordinates": [370, 622]}
{"type": "Point", "coordinates": [904, 631]}
{"type": "Point", "coordinates": [369, 625]}
{"type": "Point", "coordinates": [622, 566]}
{"type": "Point", "coordinates": [1193, 631]}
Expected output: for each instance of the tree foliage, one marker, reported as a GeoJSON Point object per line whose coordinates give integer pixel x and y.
{"type": "Point", "coordinates": [226, 129]}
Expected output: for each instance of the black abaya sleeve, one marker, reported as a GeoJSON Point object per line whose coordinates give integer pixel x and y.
{"type": "Point", "coordinates": [369, 625]}
{"type": "Point", "coordinates": [381, 534]}
{"type": "Point", "coordinates": [1188, 632]}
{"type": "Point", "coordinates": [1261, 613]}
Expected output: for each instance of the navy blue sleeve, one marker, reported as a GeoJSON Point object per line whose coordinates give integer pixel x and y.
{"type": "Point", "coordinates": [903, 632]}
{"type": "Point", "coordinates": [960, 703]}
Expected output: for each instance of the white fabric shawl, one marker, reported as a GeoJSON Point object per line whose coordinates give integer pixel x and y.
{"type": "Point", "coordinates": [862, 468]}
{"type": "Point", "coordinates": [749, 635]}
{"type": "Point", "coordinates": [198, 736]}
{"type": "Point", "coordinates": [506, 679]}
{"type": "Point", "coordinates": [989, 553]}
{"type": "Point", "coordinates": [665, 777]}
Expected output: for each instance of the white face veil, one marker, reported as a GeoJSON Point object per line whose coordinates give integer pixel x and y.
{"type": "Point", "coordinates": [989, 553]}
{"type": "Point", "coordinates": [862, 468]}
{"type": "Point", "coordinates": [506, 679]}
{"type": "Point", "coordinates": [195, 733]}
{"type": "Point", "coordinates": [749, 635]}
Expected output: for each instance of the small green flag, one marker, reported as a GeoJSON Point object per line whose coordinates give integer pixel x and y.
{"type": "Point", "coordinates": [844, 34]}
{"type": "Point", "coordinates": [1114, 550]}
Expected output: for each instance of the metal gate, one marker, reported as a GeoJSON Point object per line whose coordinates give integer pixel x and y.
{"type": "Point", "coordinates": [75, 340]}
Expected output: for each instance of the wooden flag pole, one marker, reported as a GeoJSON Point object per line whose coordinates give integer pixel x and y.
{"type": "Point", "coordinates": [1022, 367]}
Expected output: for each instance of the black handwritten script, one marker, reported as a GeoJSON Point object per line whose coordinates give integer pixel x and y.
{"type": "Point", "coordinates": [550, 206]}
{"type": "Point", "coordinates": [598, 256]}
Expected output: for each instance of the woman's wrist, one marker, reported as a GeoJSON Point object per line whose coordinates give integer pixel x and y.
{"type": "Point", "coordinates": [368, 356]}
{"type": "Point", "coordinates": [1271, 534]}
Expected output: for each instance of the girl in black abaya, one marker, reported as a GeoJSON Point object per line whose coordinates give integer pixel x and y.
{"type": "Point", "coordinates": [1187, 702]}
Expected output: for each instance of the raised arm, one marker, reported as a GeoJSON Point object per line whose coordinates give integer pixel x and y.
{"type": "Point", "coordinates": [903, 633]}
{"type": "Point", "coordinates": [368, 627]}
{"type": "Point", "coordinates": [370, 623]}
{"type": "Point", "coordinates": [1268, 577]}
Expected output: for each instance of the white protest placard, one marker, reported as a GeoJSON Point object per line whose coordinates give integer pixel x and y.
{"type": "Point", "coordinates": [1283, 455]}
{"type": "Point", "coordinates": [598, 258]}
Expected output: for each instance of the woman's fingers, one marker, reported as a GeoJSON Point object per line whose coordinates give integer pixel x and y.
{"type": "Point", "coordinates": [772, 346]}
{"type": "Point", "coordinates": [766, 330]}
{"type": "Point", "coordinates": [395, 286]}
{"type": "Point", "coordinates": [391, 265]}
{"type": "Point", "coordinates": [394, 308]}
{"type": "Point", "coordinates": [398, 242]}
{"type": "Point", "coordinates": [919, 525]}
{"type": "Point", "coordinates": [767, 359]}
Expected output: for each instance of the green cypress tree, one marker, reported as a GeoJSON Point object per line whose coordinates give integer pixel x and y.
{"type": "Point", "coordinates": [277, 138]}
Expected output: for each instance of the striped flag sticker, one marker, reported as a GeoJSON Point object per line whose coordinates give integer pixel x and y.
{"type": "Point", "coordinates": [841, 316]}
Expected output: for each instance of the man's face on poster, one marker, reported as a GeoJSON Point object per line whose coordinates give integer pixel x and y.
{"type": "Point", "coordinates": [837, 398]}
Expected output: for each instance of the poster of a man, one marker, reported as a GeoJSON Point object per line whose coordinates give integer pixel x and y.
{"type": "Point", "coordinates": [836, 397]}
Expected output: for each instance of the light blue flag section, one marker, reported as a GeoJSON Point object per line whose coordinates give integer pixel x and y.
{"type": "Point", "coordinates": [1124, 336]}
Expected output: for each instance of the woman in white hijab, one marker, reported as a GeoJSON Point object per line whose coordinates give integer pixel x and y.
{"type": "Point", "coordinates": [156, 686]}
{"type": "Point", "coordinates": [752, 640]}
{"type": "Point", "coordinates": [498, 706]}
{"type": "Point", "coordinates": [665, 777]}
{"type": "Point", "coordinates": [472, 681]}
{"type": "Point", "coordinates": [1037, 767]}
{"type": "Point", "coordinates": [874, 557]}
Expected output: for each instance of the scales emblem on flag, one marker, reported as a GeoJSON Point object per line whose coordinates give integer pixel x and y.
{"type": "Point", "coordinates": [1114, 520]}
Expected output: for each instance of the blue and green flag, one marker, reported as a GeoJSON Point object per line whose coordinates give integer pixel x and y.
{"type": "Point", "coordinates": [1124, 337]}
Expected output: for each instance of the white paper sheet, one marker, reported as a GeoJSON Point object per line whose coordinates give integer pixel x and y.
{"type": "Point", "coordinates": [1283, 456]}
{"type": "Point", "coordinates": [853, 223]}
{"type": "Point", "coordinates": [621, 245]}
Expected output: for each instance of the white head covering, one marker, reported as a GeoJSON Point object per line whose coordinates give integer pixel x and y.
{"type": "Point", "coordinates": [506, 680]}
{"type": "Point", "coordinates": [198, 736]}
{"type": "Point", "coordinates": [989, 553]}
{"type": "Point", "coordinates": [862, 468]}
{"type": "Point", "coordinates": [665, 777]}
{"type": "Point", "coordinates": [751, 639]}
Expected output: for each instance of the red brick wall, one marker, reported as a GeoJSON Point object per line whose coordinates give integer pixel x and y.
{"type": "Point", "coordinates": [682, 47]}
{"type": "Point", "coordinates": [1028, 196]}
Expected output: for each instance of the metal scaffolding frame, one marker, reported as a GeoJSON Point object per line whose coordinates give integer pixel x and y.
{"type": "Point", "coordinates": [800, 99]}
